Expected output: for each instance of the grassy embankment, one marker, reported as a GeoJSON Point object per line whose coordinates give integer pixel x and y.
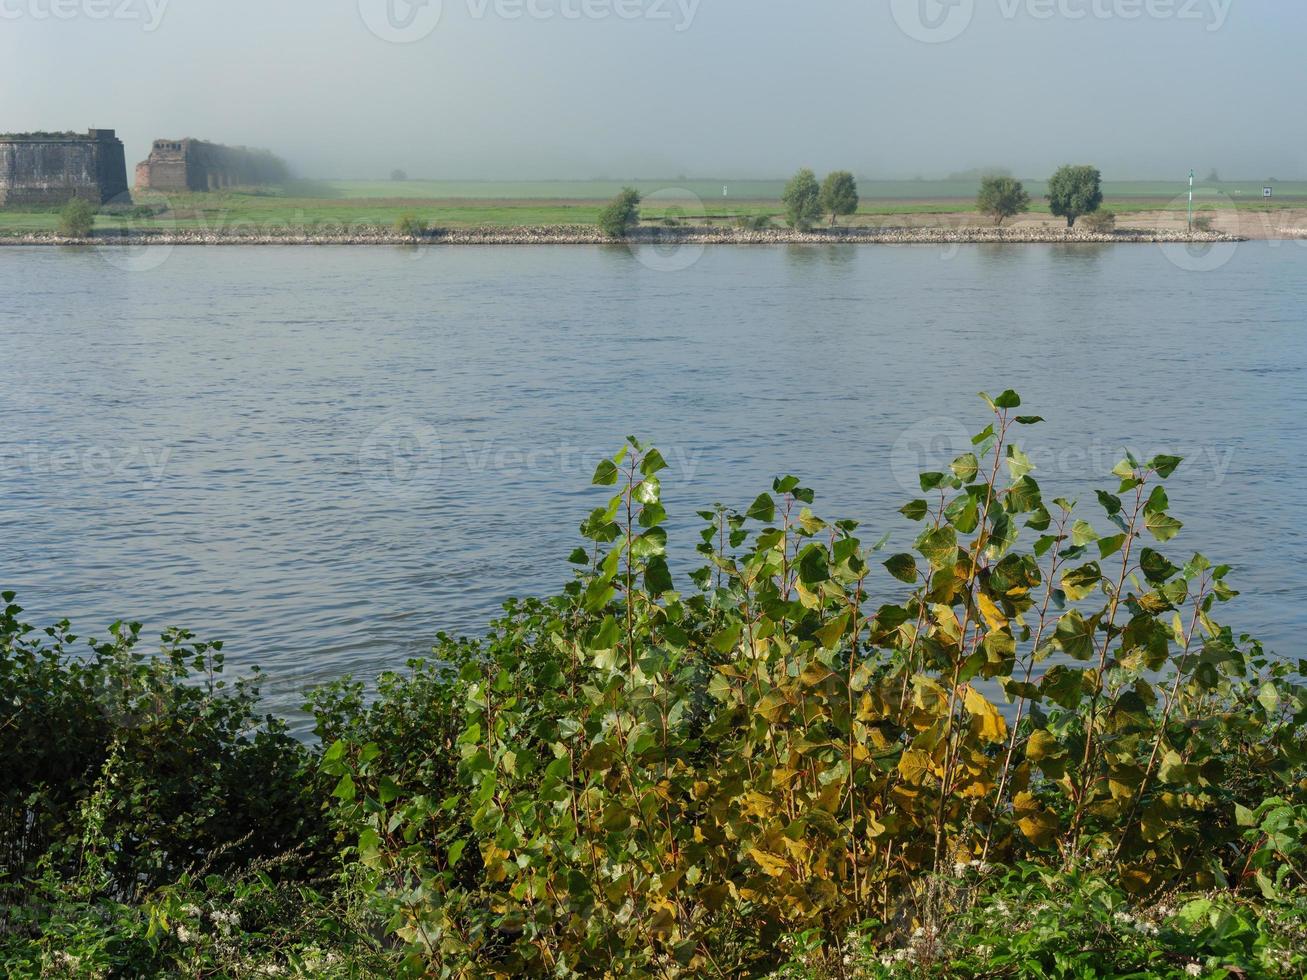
{"type": "Point", "coordinates": [465, 204]}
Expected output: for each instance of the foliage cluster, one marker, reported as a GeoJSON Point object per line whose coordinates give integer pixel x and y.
{"type": "Point", "coordinates": [1002, 197]}
{"type": "Point", "coordinates": [411, 225]}
{"type": "Point", "coordinates": [655, 780]}
{"type": "Point", "coordinates": [1009, 750]}
{"type": "Point", "coordinates": [1074, 192]}
{"type": "Point", "coordinates": [621, 214]}
{"type": "Point", "coordinates": [805, 201]}
{"type": "Point", "coordinates": [77, 218]}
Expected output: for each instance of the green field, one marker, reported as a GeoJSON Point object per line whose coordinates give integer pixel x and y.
{"type": "Point", "coordinates": [322, 205]}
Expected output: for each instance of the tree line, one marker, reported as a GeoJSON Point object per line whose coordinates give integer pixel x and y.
{"type": "Point", "coordinates": [1074, 192]}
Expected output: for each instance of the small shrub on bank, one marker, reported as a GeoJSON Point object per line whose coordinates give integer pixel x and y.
{"type": "Point", "coordinates": [411, 225]}
{"type": "Point", "coordinates": [754, 222]}
{"type": "Point", "coordinates": [77, 219]}
{"type": "Point", "coordinates": [1204, 222]}
{"type": "Point", "coordinates": [621, 215]}
{"type": "Point", "coordinates": [1100, 222]}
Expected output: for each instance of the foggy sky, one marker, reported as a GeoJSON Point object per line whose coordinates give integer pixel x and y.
{"type": "Point", "coordinates": [740, 88]}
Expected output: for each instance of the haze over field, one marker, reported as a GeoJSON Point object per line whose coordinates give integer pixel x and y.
{"type": "Point", "coordinates": [516, 89]}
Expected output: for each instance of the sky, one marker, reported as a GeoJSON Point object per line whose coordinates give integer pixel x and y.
{"type": "Point", "coordinates": [573, 89]}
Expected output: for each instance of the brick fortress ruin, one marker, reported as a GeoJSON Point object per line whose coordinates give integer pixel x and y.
{"type": "Point", "coordinates": [50, 169]}
{"type": "Point", "coordinates": [194, 166]}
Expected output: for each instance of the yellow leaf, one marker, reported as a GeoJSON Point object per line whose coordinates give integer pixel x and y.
{"type": "Point", "coordinates": [986, 722]}
{"type": "Point", "coordinates": [1036, 822]}
{"type": "Point", "coordinates": [771, 864]}
{"type": "Point", "coordinates": [1043, 745]}
{"type": "Point", "coordinates": [989, 609]}
{"type": "Point", "coordinates": [914, 765]}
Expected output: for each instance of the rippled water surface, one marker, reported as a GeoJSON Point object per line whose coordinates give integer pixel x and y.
{"type": "Point", "coordinates": [324, 456]}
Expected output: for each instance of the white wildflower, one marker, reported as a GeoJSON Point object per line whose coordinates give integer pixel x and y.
{"type": "Point", "coordinates": [184, 935]}
{"type": "Point", "coordinates": [191, 911]}
{"type": "Point", "coordinates": [1194, 970]}
{"type": "Point", "coordinates": [227, 922]}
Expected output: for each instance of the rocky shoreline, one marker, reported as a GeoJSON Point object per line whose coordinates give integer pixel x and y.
{"type": "Point", "coordinates": [587, 235]}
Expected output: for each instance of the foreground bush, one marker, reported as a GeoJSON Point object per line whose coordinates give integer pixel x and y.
{"type": "Point", "coordinates": [661, 780]}
{"type": "Point", "coordinates": [792, 759]}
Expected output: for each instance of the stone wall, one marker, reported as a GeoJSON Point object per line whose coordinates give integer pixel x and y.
{"type": "Point", "coordinates": [194, 166]}
{"type": "Point", "coordinates": [49, 169]}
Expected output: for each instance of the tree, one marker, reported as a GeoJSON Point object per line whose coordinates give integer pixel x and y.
{"type": "Point", "coordinates": [398, 175]}
{"type": "Point", "coordinates": [1002, 197]}
{"type": "Point", "coordinates": [1074, 192]}
{"type": "Point", "coordinates": [77, 219]}
{"type": "Point", "coordinates": [621, 214]}
{"type": "Point", "coordinates": [839, 195]}
{"type": "Point", "coordinates": [802, 200]}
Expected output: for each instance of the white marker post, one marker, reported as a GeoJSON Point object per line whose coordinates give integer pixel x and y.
{"type": "Point", "coordinates": [1191, 202]}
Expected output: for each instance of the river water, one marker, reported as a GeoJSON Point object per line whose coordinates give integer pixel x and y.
{"type": "Point", "coordinates": [323, 456]}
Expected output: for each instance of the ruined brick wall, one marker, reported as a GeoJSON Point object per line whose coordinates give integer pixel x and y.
{"type": "Point", "coordinates": [195, 166]}
{"type": "Point", "coordinates": [49, 169]}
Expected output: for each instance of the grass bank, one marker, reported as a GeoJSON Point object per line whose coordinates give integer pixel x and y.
{"type": "Point", "coordinates": [463, 205]}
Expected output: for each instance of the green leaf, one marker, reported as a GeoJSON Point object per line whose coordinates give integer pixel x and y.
{"type": "Point", "coordinates": [1162, 527]}
{"type": "Point", "coordinates": [1018, 463]}
{"type": "Point", "coordinates": [813, 568]}
{"type": "Point", "coordinates": [1107, 547]}
{"type": "Point", "coordinates": [1155, 566]}
{"type": "Point", "coordinates": [605, 474]}
{"type": "Point", "coordinates": [653, 542]}
{"type": "Point", "coordinates": [763, 509]}
{"type": "Point", "coordinates": [963, 513]}
{"type": "Point", "coordinates": [931, 481]}
{"type": "Point", "coordinates": [1080, 582]}
{"type": "Point", "coordinates": [1164, 466]}
{"type": "Point", "coordinates": [1009, 399]}
{"type": "Point", "coordinates": [939, 547]}
{"type": "Point", "coordinates": [966, 467]}
{"type": "Point", "coordinates": [345, 791]}
{"type": "Point", "coordinates": [1269, 698]}
{"type": "Point", "coordinates": [657, 576]}
{"type": "Point", "coordinates": [1075, 635]}
{"type": "Point", "coordinates": [903, 568]}
{"type": "Point", "coordinates": [916, 510]}
{"type": "Point", "coordinates": [1083, 533]}
{"type": "Point", "coordinates": [652, 463]}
